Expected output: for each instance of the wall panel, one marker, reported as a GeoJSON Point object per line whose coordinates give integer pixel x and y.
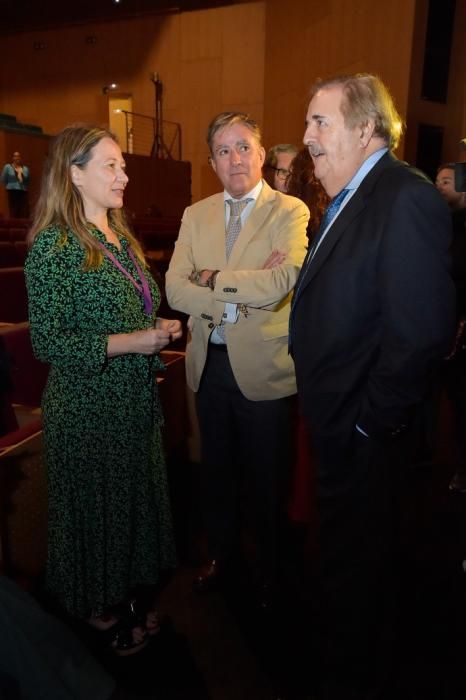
{"type": "Point", "coordinates": [208, 61]}
{"type": "Point", "coordinates": [260, 57]}
{"type": "Point", "coordinates": [314, 39]}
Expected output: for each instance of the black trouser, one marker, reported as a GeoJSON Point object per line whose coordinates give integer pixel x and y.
{"type": "Point", "coordinates": [246, 449]}
{"type": "Point", "coordinates": [360, 524]}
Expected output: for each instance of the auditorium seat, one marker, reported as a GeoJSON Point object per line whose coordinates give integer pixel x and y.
{"type": "Point", "coordinates": [23, 490]}
{"type": "Point", "coordinates": [18, 233]}
{"type": "Point", "coordinates": [23, 504]}
{"type": "Point", "coordinates": [8, 254]}
{"type": "Point", "coordinates": [13, 295]}
{"type": "Point", "coordinates": [21, 249]}
{"type": "Point", "coordinates": [27, 374]}
{"type": "Point", "coordinates": [21, 399]}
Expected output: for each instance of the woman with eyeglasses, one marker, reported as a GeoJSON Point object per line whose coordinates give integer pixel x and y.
{"type": "Point", "coordinates": [276, 168]}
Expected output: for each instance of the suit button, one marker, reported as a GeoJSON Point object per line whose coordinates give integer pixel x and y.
{"type": "Point", "coordinates": [211, 325]}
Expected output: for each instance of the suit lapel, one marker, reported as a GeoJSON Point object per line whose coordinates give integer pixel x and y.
{"type": "Point", "coordinates": [341, 223]}
{"type": "Point", "coordinates": [335, 232]}
{"type": "Point", "coordinates": [214, 227]}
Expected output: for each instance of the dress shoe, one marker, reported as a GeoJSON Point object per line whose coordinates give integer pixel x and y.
{"type": "Point", "coordinates": [208, 577]}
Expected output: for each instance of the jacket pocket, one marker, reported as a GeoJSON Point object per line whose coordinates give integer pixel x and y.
{"type": "Point", "coordinates": [276, 330]}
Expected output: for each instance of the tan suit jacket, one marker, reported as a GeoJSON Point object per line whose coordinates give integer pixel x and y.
{"type": "Point", "coordinates": [258, 341]}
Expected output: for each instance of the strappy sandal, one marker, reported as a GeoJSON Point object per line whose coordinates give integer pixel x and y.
{"type": "Point", "coordinates": [120, 636]}
{"type": "Point", "coordinates": [152, 624]}
{"type": "Point", "coordinates": [123, 642]}
{"type": "Point", "coordinates": [147, 617]}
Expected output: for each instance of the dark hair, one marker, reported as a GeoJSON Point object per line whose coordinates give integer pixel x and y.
{"type": "Point", "coordinates": [303, 184]}
{"type": "Point", "coordinates": [445, 166]}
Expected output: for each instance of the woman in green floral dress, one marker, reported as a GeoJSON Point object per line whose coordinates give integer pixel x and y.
{"type": "Point", "coordinates": [92, 306]}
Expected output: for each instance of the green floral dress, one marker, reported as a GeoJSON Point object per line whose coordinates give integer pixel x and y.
{"type": "Point", "coordinates": [109, 517]}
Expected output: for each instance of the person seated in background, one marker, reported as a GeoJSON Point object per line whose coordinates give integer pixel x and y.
{"type": "Point", "coordinates": [93, 314]}
{"type": "Point", "coordinates": [276, 168]}
{"type": "Point", "coordinates": [303, 184]}
{"type": "Point", "coordinates": [455, 370]}
{"type": "Point", "coordinates": [15, 177]}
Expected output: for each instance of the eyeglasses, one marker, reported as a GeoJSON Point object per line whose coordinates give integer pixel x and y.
{"type": "Point", "coordinates": [282, 173]}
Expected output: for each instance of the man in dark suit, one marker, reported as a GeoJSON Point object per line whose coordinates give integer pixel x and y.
{"type": "Point", "coordinates": [372, 315]}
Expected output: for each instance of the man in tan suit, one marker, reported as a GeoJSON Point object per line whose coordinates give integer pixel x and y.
{"type": "Point", "coordinates": [234, 267]}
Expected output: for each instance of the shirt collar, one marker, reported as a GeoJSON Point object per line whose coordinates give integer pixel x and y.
{"type": "Point", "coordinates": [253, 194]}
{"type": "Point", "coordinates": [365, 168]}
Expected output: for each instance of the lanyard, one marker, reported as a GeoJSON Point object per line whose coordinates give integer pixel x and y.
{"type": "Point", "coordinates": [142, 288]}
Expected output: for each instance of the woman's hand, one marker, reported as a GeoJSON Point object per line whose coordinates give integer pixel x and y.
{"type": "Point", "coordinates": [172, 326]}
{"type": "Point", "coordinates": [150, 341]}
{"type": "Point", "coordinates": [146, 342]}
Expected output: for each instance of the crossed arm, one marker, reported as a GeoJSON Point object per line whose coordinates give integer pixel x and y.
{"type": "Point", "coordinates": [208, 278]}
{"type": "Point", "coordinates": [264, 281]}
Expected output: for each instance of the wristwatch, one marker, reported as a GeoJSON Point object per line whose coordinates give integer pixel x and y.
{"type": "Point", "coordinates": [212, 279]}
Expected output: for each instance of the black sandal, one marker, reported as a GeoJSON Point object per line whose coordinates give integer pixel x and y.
{"type": "Point", "coordinates": [119, 637]}
{"type": "Point", "coordinates": [146, 616]}
{"type": "Point", "coordinates": [123, 643]}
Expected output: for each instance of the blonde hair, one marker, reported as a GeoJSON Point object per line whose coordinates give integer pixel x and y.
{"type": "Point", "coordinates": [60, 202]}
{"type": "Point", "coordinates": [366, 97]}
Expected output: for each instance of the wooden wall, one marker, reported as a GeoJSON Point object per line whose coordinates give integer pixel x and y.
{"type": "Point", "coordinates": [260, 57]}
{"type": "Point", "coordinates": [307, 40]}
{"type": "Point", "coordinates": [452, 115]}
{"type": "Point", "coordinates": [208, 61]}
{"type": "Point", "coordinates": [156, 186]}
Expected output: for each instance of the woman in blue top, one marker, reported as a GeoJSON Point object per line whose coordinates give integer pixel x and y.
{"type": "Point", "coordinates": [15, 177]}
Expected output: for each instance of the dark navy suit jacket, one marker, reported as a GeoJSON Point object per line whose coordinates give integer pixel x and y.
{"type": "Point", "coordinates": [375, 311]}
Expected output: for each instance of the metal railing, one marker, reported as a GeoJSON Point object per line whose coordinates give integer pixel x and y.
{"type": "Point", "coordinates": [143, 138]}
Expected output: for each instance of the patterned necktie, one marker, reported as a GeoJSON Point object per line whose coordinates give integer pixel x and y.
{"type": "Point", "coordinates": [234, 222]}
{"type": "Point", "coordinates": [232, 233]}
{"type": "Point", "coordinates": [327, 219]}
{"type": "Point", "coordinates": [329, 214]}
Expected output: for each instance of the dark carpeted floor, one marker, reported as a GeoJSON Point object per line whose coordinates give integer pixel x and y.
{"type": "Point", "coordinates": [221, 646]}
